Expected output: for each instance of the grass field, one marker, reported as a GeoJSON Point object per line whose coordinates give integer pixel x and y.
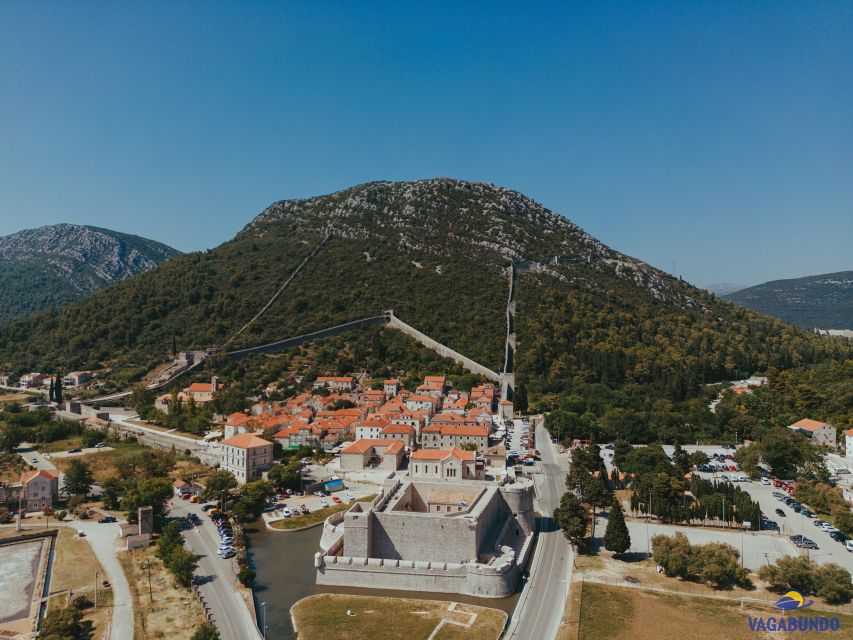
{"type": "Point", "coordinates": [102, 464]}
{"type": "Point", "coordinates": [168, 611]}
{"type": "Point", "coordinates": [618, 613]}
{"type": "Point", "coordinates": [324, 617]}
{"type": "Point", "coordinates": [315, 517]}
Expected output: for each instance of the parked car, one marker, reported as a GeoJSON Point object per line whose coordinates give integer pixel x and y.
{"type": "Point", "coordinates": [228, 554]}
{"type": "Point", "coordinates": [285, 512]}
{"type": "Point", "coordinates": [324, 503]}
{"type": "Point", "coordinates": [808, 544]}
{"type": "Point", "coordinates": [106, 519]}
{"type": "Point", "coordinates": [75, 450]}
{"type": "Point", "coordinates": [838, 536]}
{"type": "Point", "coordinates": [849, 545]}
{"type": "Point", "coordinates": [765, 481]}
{"type": "Point", "coordinates": [336, 499]}
{"type": "Point", "coordinates": [780, 513]}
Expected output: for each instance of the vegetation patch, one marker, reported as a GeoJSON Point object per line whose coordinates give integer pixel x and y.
{"type": "Point", "coordinates": [314, 517]}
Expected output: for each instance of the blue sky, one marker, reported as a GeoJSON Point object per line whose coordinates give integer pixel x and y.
{"type": "Point", "coordinates": [717, 135]}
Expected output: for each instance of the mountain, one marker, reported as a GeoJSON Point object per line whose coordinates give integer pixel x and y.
{"type": "Point", "coordinates": [49, 266]}
{"type": "Point", "coordinates": [824, 301]}
{"type": "Point", "coordinates": [724, 288]}
{"type": "Point", "coordinates": [595, 322]}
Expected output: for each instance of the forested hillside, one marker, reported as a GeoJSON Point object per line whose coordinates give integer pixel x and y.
{"type": "Point", "coordinates": [436, 251]}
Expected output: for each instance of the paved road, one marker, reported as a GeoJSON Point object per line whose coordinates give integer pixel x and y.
{"type": "Point", "coordinates": [103, 538]}
{"type": "Point", "coordinates": [541, 605]}
{"type": "Point", "coordinates": [230, 613]}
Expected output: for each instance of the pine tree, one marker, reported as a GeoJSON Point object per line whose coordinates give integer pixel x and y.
{"type": "Point", "coordinates": [616, 537]}
{"type": "Point", "coordinates": [50, 393]}
{"type": "Point", "coordinates": [57, 389]}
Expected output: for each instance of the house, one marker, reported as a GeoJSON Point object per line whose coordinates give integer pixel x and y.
{"type": "Point", "coordinates": [372, 399]}
{"type": "Point", "coordinates": [41, 488]}
{"type": "Point", "coordinates": [391, 388]}
{"type": "Point", "coordinates": [31, 381]}
{"type": "Point", "coordinates": [444, 464]}
{"type": "Point", "coordinates": [369, 429]}
{"type": "Point", "coordinates": [430, 389]}
{"type": "Point", "coordinates": [818, 432]}
{"type": "Point", "coordinates": [182, 488]}
{"type": "Point", "coordinates": [495, 458]}
{"type": "Point", "coordinates": [5, 379]}
{"type": "Point", "coordinates": [163, 402]}
{"type": "Point", "coordinates": [201, 392]}
{"type": "Point", "coordinates": [300, 435]}
{"type": "Point", "coordinates": [848, 443]}
{"type": "Point", "coordinates": [441, 381]}
{"type": "Point", "coordinates": [76, 378]}
{"type": "Point", "coordinates": [505, 409]}
{"type": "Point", "coordinates": [399, 432]}
{"type": "Point", "coordinates": [454, 436]}
{"type": "Point", "coordinates": [367, 454]}
{"type": "Point", "coordinates": [246, 456]}
{"type": "Point", "coordinates": [421, 402]}
{"type": "Point", "coordinates": [335, 383]}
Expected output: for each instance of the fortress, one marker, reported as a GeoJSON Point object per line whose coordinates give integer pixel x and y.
{"type": "Point", "coordinates": [470, 537]}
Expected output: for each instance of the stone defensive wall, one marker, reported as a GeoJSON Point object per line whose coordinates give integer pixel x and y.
{"type": "Point", "coordinates": [442, 350]}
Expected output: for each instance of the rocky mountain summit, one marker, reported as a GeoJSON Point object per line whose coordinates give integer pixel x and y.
{"type": "Point", "coordinates": [48, 266]}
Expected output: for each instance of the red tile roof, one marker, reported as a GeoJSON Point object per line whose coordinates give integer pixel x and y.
{"type": "Point", "coordinates": [807, 424]}
{"type": "Point", "coordinates": [441, 454]}
{"type": "Point", "coordinates": [246, 441]}
{"type": "Point", "coordinates": [365, 444]}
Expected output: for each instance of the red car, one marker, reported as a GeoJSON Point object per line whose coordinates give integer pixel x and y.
{"type": "Point", "coordinates": [336, 499]}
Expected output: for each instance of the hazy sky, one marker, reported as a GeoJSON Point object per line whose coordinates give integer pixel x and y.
{"type": "Point", "coordinates": [718, 135]}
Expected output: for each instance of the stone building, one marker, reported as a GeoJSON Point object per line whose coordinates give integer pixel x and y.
{"type": "Point", "coordinates": [817, 432]}
{"type": "Point", "coordinates": [246, 456]}
{"type": "Point", "coordinates": [368, 453]}
{"type": "Point", "coordinates": [444, 464]}
{"type": "Point", "coordinates": [449, 436]}
{"type": "Point", "coordinates": [470, 537]}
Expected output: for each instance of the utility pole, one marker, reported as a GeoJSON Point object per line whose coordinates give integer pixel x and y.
{"type": "Point", "coordinates": [648, 518]}
{"type": "Point", "coordinates": [96, 588]}
{"type": "Point", "coordinates": [150, 594]}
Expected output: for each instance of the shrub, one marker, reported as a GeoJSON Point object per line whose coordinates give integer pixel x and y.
{"type": "Point", "coordinates": [246, 576]}
{"type": "Point", "coordinates": [82, 602]}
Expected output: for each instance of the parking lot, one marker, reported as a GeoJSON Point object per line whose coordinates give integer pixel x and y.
{"type": "Point", "coordinates": [352, 492]}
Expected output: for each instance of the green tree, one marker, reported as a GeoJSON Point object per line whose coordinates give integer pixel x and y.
{"type": "Point", "coordinates": [217, 482]}
{"type": "Point", "coordinates": [782, 450]}
{"type": "Point", "coordinates": [151, 492]}
{"type": "Point", "coordinates": [253, 498]}
{"type": "Point", "coordinates": [286, 476]}
{"type": "Point", "coordinates": [78, 478]}
{"type": "Point", "coordinates": [182, 564]}
{"type": "Point", "coordinates": [833, 584]}
{"type": "Point", "coordinates": [749, 458]}
{"type": "Point", "coordinates": [571, 517]}
{"type": "Point", "coordinates": [206, 632]}
{"type": "Point", "coordinates": [169, 540]}
{"type": "Point", "coordinates": [246, 576]}
{"type": "Point", "coordinates": [616, 537]}
{"type": "Point", "coordinates": [469, 446]}
{"type": "Point", "coordinates": [65, 623]}
{"type": "Point", "coordinates": [57, 389]}
{"type": "Point", "coordinates": [112, 490]}
{"type": "Point", "coordinates": [673, 554]}
{"type": "Point", "coordinates": [718, 564]}
{"type": "Point", "coordinates": [790, 572]}
{"type": "Point", "coordinates": [50, 392]}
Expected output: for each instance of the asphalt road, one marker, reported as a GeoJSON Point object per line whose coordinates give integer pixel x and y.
{"type": "Point", "coordinates": [217, 577]}
{"type": "Point", "coordinates": [103, 538]}
{"type": "Point", "coordinates": [540, 609]}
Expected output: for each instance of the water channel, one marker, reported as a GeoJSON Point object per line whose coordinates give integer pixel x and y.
{"type": "Point", "coordinates": [284, 562]}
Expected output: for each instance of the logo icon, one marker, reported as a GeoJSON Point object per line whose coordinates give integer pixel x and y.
{"type": "Point", "coordinates": [792, 601]}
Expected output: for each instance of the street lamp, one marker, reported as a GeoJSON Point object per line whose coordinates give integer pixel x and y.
{"type": "Point", "coordinates": [264, 610]}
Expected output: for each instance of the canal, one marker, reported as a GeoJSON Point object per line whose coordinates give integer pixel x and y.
{"type": "Point", "coordinates": [284, 562]}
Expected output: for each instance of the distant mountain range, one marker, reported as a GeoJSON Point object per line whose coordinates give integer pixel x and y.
{"type": "Point", "coordinates": [49, 266]}
{"type": "Point", "coordinates": [824, 301]}
{"type": "Point", "coordinates": [724, 288]}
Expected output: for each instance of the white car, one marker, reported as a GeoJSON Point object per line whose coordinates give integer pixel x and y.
{"type": "Point", "coordinates": [765, 481]}
{"type": "Point", "coordinates": [349, 496]}
{"type": "Point", "coordinates": [324, 503]}
{"type": "Point", "coordinates": [285, 512]}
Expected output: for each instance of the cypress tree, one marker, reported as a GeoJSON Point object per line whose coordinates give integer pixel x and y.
{"type": "Point", "coordinates": [616, 536]}
{"type": "Point", "coordinates": [50, 393]}
{"type": "Point", "coordinates": [57, 389]}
